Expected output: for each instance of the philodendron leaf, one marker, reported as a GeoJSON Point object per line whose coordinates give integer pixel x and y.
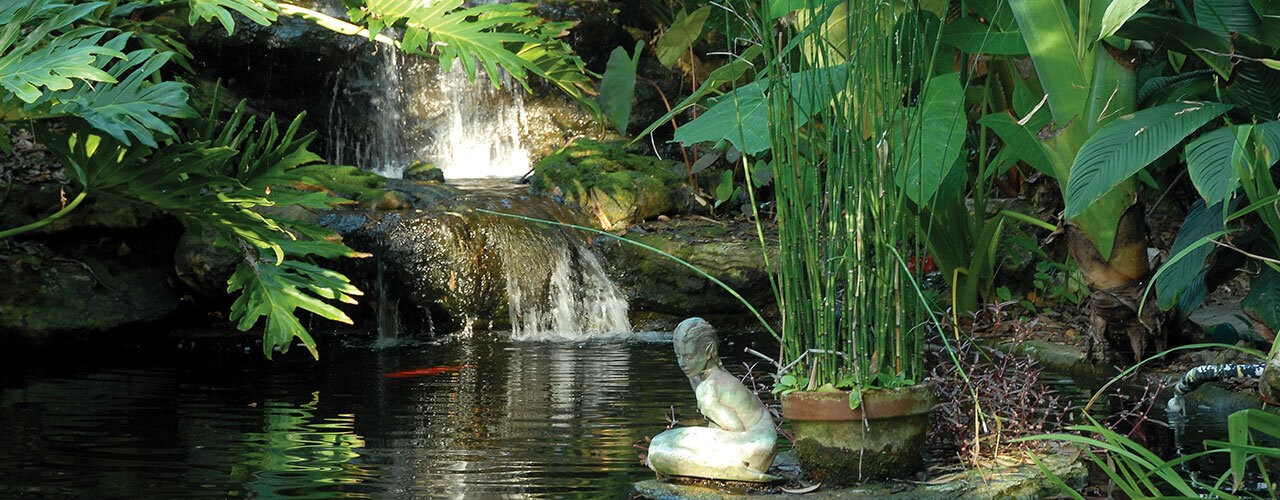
{"type": "Point", "coordinates": [940, 139]}
{"type": "Point", "coordinates": [1128, 144]}
{"type": "Point", "coordinates": [1211, 163]}
{"type": "Point", "coordinates": [683, 32]}
{"type": "Point", "coordinates": [740, 117]}
{"type": "Point", "coordinates": [1117, 13]}
{"type": "Point", "coordinates": [1183, 273]}
{"type": "Point", "coordinates": [617, 86]}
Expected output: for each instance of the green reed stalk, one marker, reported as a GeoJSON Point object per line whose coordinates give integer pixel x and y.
{"type": "Point", "coordinates": [839, 75]}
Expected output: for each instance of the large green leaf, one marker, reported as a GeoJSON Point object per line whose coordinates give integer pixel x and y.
{"type": "Point", "coordinates": [276, 291]}
{"type": "Point", "coordinates": [684, 31]}
{"type": "Point", "coordinates": [1211, 164]}
{"type": "Point", "coordinates": [36, 52]}
{"type": "Point", "coordinates": [221, 10]}
{"type": "Point", "coordinates": [1051, 37]}
{"type": "Point", "coordinates": [1264, 297]}
{"type": "Point", "coordinates": [939, 141]}
{"type": "Point", "coordinates": [728, 73]}
{"type": "Point", "coordinates": [1117, 13]}
{"type": "Point", "coordinates": [778, 8]}
{"type": "Point", "coordinates": [1185, 86]}
{"type": "Point", "coordinates": [1222, 17]}
{"type": "Point", "coordinates": [740, 117]}
{"type": "Point", "coordinates": [1019, 141]}
{"type": "Point", "coordinates": [132, 107]}
{"type": "Point", "coordinates": [1190, 39]}
{"type": "Point", "coordinates": [1126, 145]}
{"type": "Point", "coordinates": [1255, 87]}
{"type": "Point", "coordinates": [1182, 274]}
{"type": "Point", "coordinates": [974, 37]}
{"type": "Point", "coordinates": [617, 86]}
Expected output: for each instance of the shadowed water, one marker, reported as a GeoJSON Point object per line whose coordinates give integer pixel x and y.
{"type": "Point", "coordinates": [531, 419]}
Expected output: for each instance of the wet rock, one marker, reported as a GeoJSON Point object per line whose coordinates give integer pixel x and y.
{"type": "Point", "coordinates": [203, 266]}
{"type": "Point", "coordinates": [425, 172]}
{"type": "Point", "coordinates": [83, 284]}
{"type": "Point", "coordinates": [1024, 481]}
{"type": "Point", "coordinates": [1271, 378]}
{"type": "Point", "coordinates": [26, 203]}
{"type": "Point", "coordinates": [447, 264]}
{"type": "Point", "coordinates": [615, 186]}
{"type": "Point", "coordinates": [655, 283]}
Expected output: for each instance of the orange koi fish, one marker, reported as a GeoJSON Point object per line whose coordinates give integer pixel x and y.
{"type": "Point", "coordinates": [427, 371]}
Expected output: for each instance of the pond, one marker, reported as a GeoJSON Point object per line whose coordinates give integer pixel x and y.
{"type": "Point", "coordinates": [527, 419]}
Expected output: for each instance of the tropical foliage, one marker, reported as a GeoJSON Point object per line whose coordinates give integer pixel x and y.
{"type": "Point", "coordinates": [97, 81]}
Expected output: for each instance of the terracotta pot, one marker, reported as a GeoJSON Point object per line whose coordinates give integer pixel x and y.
{"type": "Point", "coordinates": [882, 438]}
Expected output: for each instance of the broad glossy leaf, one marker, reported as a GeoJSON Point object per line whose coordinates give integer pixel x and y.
{"type": "Point", "coordinates": [728, 73]}
{"type": "Point", "coordinates": [1051, 38]}
{"type": "Point", "coordinates": [221, 10]}
{"type": "Point", "coordinates": [1126, 145]}
{"type": "Point", "coordinates": [1264, 297]}
{"type": "Point", "coordinates": [684, 31]}
{"type": "Point", "coordinates": [36, 53]}
{"type": "Point", "coordinates": [778, 8]}
{"type": "Point", "coordinates": [1021, 143]}
{"type": "Point", "coordinates": [974, 37]}
{"type": "Point", "coordinates": [1117, 13]}
{"type": "Point", "coordinates": [939, 141]}
{"type": "Point", "coordinates": [1190, 39]}
{"type": "Point", "coordinates": [1222, 17]}
{"type": "Point", "coordinates": [1255, 87]}
{"type": "Point", "coordinates": [1211, 165]}
{"type": "Point", "coordinates": [133, 107]}
{"type": "Point", "coordinates": [1182, 274]}
{"type": "Point", "coordinates": [740, 117]}
{"type": "Point", "coordinates": [1184, 86]}
{"type": "Point", "coordinates": [617, 86]}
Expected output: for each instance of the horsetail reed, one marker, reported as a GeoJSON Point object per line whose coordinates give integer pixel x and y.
{"type": "Point", "coordinates": [839, 121]}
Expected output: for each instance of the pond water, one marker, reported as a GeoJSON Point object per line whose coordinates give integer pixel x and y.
{"type": "Point", "coordinates": [527, 419]}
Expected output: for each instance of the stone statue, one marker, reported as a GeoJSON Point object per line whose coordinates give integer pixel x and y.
{"type": "Point", "coordinates": [740, 440]}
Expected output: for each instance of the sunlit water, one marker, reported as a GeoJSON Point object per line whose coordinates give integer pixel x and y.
{"type": "Point", "coordinates": [531, 419]}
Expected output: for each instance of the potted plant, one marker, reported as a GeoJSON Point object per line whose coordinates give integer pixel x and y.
{"type": "Point", "coordinates": [845, 150]}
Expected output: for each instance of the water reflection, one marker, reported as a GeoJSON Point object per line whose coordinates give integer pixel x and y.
{"type": "Point", "coordinates": [532, 419]}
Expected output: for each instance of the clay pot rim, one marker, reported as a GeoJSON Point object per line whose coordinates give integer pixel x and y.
{"type": "Point", "coordinates": [876, 403]}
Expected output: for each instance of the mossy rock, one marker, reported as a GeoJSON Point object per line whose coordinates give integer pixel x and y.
{"type": "Point", "coordinates": [1271, 377]}
{"type": "Point", "coordinates": [85, 285]}
{"type": "Point", "coordinates": [617, 187]}
{"type": "Point", "coordinates": [423, 172]}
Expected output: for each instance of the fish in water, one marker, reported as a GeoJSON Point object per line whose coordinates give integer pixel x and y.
{"type": "Point", "coordinates": [427, 371]}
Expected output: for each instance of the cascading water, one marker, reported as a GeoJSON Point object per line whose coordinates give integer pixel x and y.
{"type": "Point", "coordinates": [473, 270]}
{"type": "Point", "coordinates": [580, 300]}
{"type": "Point", "coordinates": [397, 109]}
{"type": "Point", "coordinates": [393, 110]}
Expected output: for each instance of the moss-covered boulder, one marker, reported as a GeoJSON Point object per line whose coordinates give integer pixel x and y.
{"type": "Point", "coordinates": [617, 187]}
{"type": "Point", "coordinates": [423, 172]}
{"type": "Point", "coordinates": [83, 284]}
{"type": "Point", "coordinates": [1271, 377]}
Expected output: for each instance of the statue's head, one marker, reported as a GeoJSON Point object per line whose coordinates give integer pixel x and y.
{"type": "Point", "coordinates": [695, 345]}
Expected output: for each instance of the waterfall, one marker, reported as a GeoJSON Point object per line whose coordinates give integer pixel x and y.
{"type": "Point", "coordinates": [480, 271]}
{"type": "Point", "coordinates": [395, 109]}
{"type": "Point", "coordinates": [579, 300]}
{"type": "Point", "coordinates": [388, 308]}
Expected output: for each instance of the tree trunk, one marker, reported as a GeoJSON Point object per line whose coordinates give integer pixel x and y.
{"type": "Point", "coordinates": [1117, 332]}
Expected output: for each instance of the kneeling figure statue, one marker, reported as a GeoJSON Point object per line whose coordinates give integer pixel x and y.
{"type": "Point", "coordinates": [740, 440]}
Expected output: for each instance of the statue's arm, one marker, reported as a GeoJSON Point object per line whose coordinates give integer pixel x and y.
{"type": "Point", "coordinates": [724, 409]}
